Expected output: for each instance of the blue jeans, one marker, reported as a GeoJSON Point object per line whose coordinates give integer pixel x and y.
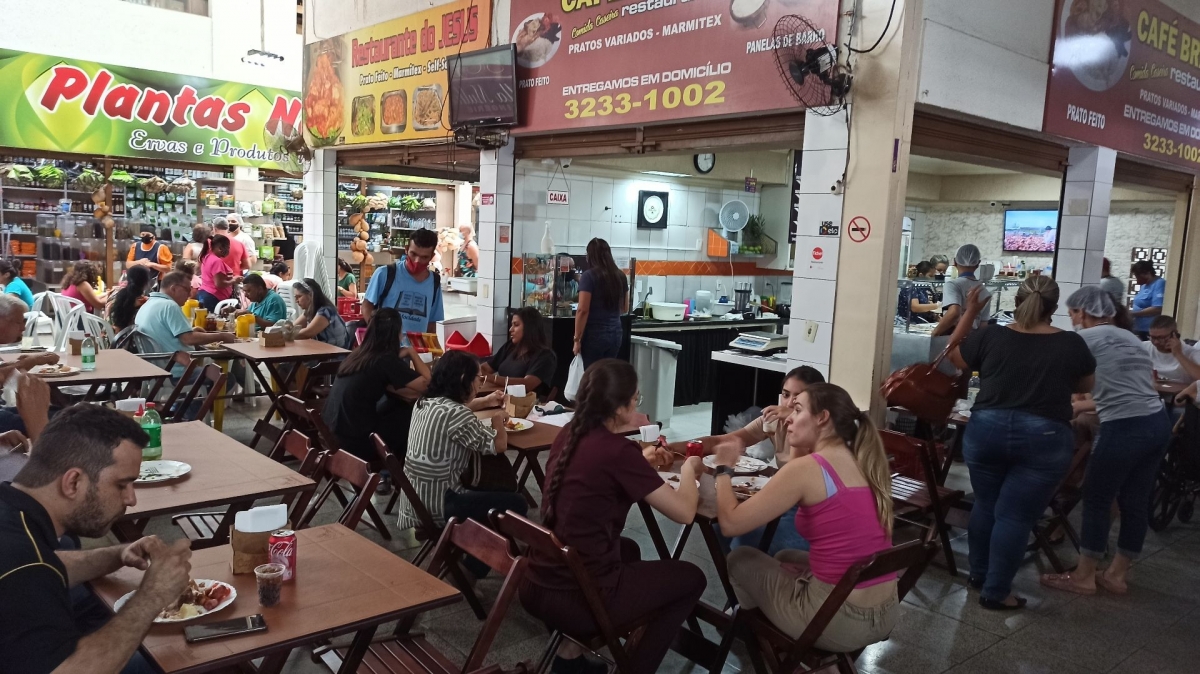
{"type": "Point", "coordinates": [786, 537]}
{"type": "Point", "coordinates": [1017, 461]}
{"type": "Point", "coordinates": [207, 300]}
{"type": "Point", "coordinates": [600, 342]}
{"type": "Point", "coordinates": [1123, 466]}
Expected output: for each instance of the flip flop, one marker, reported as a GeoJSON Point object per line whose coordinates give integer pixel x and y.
{"type": "Point", "coordinates": [1111, 586]}
{"type": "Point", "coordinates": [1062, 581]}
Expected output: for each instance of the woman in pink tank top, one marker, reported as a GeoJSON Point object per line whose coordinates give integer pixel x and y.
{"type": "Point", "coordinates": [842, 485]}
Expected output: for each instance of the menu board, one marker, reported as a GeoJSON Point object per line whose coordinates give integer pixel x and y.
{"type": "Point", "coordinates": [1126, 75]}
{"type": "Point", "coordinates": [389, 82]}
{"type": "Point", "coordinates": [583, 63]}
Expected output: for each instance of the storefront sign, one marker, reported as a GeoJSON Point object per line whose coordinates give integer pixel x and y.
{"type": "Point", "coordinates": [1127, 77]}
{"type": "Point", "coordinates": [388, 82]}
{"type": "Point", "coordinates": [586, 64]}
{"type": "Point", "coordinates": [66, 105]}
{"type": "Point", "coordinates": [558, 197]}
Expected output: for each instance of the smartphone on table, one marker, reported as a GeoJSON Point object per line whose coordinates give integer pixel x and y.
{"type": "Point", "coordinates": [225, 628]}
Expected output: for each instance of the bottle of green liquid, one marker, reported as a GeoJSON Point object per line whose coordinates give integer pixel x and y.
{"type": "Point", "coordinates": [151, 423]}
{"type": "Point", "coordinates": [88, 353]}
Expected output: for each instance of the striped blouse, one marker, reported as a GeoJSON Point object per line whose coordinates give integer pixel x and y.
{"type": "Point", "coordinates": [441, 438]}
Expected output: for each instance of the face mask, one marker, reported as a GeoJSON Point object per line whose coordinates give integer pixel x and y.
{"type": "Point", "coordinates": [147, 238]}
{"type": "Point", "coordinates": [413, 266]}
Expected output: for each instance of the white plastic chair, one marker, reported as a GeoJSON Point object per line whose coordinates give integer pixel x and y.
{"type": "Point", "coordinates": [101, 329]}
{"type": "Point", "coordinates": [226, 304]}
{"type": "Point", "coordinates": [289, 299]}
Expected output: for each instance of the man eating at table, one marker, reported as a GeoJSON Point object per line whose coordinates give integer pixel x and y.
{"type": "Point", "coordinates": [161, 317]}
{"type": "Point", "coordinates": [78, 481]}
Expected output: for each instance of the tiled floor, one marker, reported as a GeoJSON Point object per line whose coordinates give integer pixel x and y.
{"type": "Point", "coordinates": [1155, 628]}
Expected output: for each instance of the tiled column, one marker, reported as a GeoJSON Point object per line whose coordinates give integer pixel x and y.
{"type": "Point", "coordinates": [320, 209]}
{"type": "Point", "coordinates": [1083, 224]}
{"type": "Point", "coordinates": [495, 243]}
{"type": "Point", "coordinates": [818, 219]}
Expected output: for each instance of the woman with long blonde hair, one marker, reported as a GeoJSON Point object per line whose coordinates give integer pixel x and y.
{"type": "Point", "coordinates": [1019, 443]}
{"type": "Point", "coordinates": [839, 476]}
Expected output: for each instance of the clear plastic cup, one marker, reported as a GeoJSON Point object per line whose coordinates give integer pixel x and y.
{"type": "Point", "coordinates": [270, 583]}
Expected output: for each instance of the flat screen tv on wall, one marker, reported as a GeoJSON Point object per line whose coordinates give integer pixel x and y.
{"type": "Point", "coordinates": [1030, 231]}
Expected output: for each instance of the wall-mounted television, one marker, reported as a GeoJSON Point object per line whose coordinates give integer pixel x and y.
{"type": "Point", "coordinates": [483, 87]}
{"type": "Point", "coordinates": [1030, 231]}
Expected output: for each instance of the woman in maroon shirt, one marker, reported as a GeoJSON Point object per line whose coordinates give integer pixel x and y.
{"type": "Point", "coordinates": [593, 478]}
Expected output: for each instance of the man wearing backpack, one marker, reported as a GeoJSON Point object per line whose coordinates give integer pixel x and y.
{"type": "Point", "coordinates": [408, 286]}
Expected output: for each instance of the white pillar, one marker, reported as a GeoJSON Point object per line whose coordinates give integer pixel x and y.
{"type": "Point", "coordinates": [495, 243]}
{"type": "Point", "coordinates": [320, 208]}
{"type": "Point", "coordinates": [1083, 224]}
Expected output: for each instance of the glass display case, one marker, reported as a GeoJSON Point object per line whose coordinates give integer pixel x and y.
{"type": "Point", "coordinates": [551, 284]}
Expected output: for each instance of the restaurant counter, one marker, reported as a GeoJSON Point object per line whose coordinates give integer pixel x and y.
{"type": "Point", "coordinates": [746, 380]}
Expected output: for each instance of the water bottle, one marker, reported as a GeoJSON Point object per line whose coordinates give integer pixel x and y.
{"type": "Point", "coordinates": [88, 353]}
{"type": "Point", "coordinates": [151, 423]}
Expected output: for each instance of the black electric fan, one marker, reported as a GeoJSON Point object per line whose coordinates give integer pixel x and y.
{"type": "Point", "coordinates": [809, 66]}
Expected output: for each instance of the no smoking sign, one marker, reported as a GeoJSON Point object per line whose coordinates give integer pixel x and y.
{"type": "Point", "coordinates": [859, 229]}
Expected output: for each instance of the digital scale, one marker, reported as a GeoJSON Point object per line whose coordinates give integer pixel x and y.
{"type": "Point", "coordinates": [759, 342]}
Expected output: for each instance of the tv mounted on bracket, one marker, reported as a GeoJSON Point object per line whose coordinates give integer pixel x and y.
{"type": "Point", "coordinates": [1030, 231]}
{"type": "Point", "coordinates": [483, 87]}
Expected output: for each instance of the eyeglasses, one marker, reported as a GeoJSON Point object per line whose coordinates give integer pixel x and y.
{"type": "Point", "coordinates": [1163, 338]}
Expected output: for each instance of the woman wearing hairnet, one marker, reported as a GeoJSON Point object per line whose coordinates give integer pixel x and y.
{"type": "Point", "coordinates": [954, 293]}
{"type": "Point", "coordinates": [1134, 430]}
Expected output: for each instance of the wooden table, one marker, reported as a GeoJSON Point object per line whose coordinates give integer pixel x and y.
{"type": "Point", "coordinates": [344, 583]}
{"type": "Point", "coordinates": [113, 366]}
{"type": "Point", "coordinates": [301, 350]}
{"type": "Point", "coordinates": [224, 472]}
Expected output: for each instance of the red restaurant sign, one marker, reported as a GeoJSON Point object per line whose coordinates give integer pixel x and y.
{"type": "Point", "coordinates": [581, 63]}
{"type": "Point", "coordinates": [1127, 77]}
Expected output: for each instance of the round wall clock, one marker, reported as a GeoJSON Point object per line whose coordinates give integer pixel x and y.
{"type": "Point", "coordinates": [704, 163]}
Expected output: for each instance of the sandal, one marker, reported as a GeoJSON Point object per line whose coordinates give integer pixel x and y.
{"type": "Point", "coordinates": [1111, 585]}
{"type": "Point", "coordinates": [1062, 581]}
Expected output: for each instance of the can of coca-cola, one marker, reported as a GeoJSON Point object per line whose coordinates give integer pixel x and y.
{"type": "Point", "coordinates": [281, 548]}
{"type": "Point", "coordinates": [695, 448]}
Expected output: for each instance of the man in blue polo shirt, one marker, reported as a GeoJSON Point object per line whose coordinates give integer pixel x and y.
{"type": "Point", "coordinates": [408, 286]}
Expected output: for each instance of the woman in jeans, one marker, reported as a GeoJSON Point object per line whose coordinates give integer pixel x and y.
{"type": "Point", "coordinates": [602, 292]}
{"type": "Point", "coordinates": [1134, 431]}
{"type": "Point", "coordinates": [593, 478]}
{"type": "Point", "coordinates": [1019, 443]}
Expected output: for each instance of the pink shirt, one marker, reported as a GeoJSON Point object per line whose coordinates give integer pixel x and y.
{"type": "Point", "coordinates": [73, 293]}
{"type": "Point", "coordinates": [210, 266]}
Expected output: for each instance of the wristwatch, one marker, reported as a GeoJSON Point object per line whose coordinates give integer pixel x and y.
{"type": "Point", "coordinates": [722, 470]}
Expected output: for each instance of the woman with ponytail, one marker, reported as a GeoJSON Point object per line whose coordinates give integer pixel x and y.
{"type": "Point", "coordinates": [842, 484]}
{"type": "Point", "coordinates": [1019, 443]}
{"type": "Point", "coordinates": [593, 478]}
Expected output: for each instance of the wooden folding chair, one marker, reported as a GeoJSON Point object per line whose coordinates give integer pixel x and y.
{"type": "Point", "coordinates": [317, 383]}
{"type": "Point", "coordinates": [1068, 495]}
{"type": "Point", "coordinates": [406, 652]}
{"type": "Point", "coordinates": [204, 527]}
{"type": "Point", "coordinates": [919, 497]}
{"type": "Point", "coordinates": [427, 529]}
{"type": "Point", "coordinates": [786, 655]}
{"type": "Point", "coordinates": [212, 377]}
{"type": "Point", "coordinates": [536, 537]}
{"type": "Point", "coordinates": [340, 466]}
{"type": "Point", "coordinates": [189, 366]}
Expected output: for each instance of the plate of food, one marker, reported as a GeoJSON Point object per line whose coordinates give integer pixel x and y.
{"type": "Point", "coordinates": [161, 471]}
{"type": "Point", "coordinates": [1097, 40]}
{"type": "Point", "coordinates": [427, 107]}
{"type": "Point", "coordinates": [747, 486]}
{"type": "Point", "coordinates": [672, 479]}
{"type": "Point", "coordinates": [323, 114]}
{"type": "Point", "coordinates": [745, 464]}
{"type": "Point", "coordinates": [34, 349]}
{"type": "Point", "coordinates": [199, 598]}
{"type": "Point", "coordinates": [518, 425]}
{"type": "Point", "coordinates": [393, 116]}
{"type": "Point", "coordinates": [362, 116]}
{"type": "Point", "coordinates": [56, 370]}
{"type": "Point", "coordinates": [537, 39]}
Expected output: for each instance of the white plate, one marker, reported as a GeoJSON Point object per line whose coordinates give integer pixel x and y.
{"type": "Point", "coordinates": [755, 482]}
{"type": "Point", "coordinates": [745, 464]}
{"type": "Point", "coordinates": [161, 471]}
{"type": "Point", "coordinates": [204, 585]}
{"type": "Point", "coordinates": [522, 425]}
{"type": "Point", "coordinates": [51, 371]}
{"type": "Point", "coordinates": [524, 58]}
{"type": "Point", "coordinates": [672, 479]}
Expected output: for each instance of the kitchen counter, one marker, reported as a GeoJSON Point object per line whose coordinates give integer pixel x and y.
{"type": "Point", "coordinates": [747, 380]}
{"type": "Point", "coordinates": [643, 325]}
{"type": "Point", "coordinates": [777, 363]}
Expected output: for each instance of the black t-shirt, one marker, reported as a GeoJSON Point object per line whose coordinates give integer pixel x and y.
{"type": "Point", "coordinates": [352, 411]}
{"type": "Point", "coordinates": [37, 625]}
{"type": "Point", "coordinates": [541, 365]}
{"type": "Point", "coordinates": [1028, 372]}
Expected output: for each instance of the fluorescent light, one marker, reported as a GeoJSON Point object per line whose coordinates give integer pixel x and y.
{"type": "Point", "coordinates": [667, 174]}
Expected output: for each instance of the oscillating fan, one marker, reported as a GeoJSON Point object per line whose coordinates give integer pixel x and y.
{"type": "Point", "coordinates": [734, 215]}
{"type": "Point", "coordinates": [282, 137]}
{"type": "Point", "coordinates": [809, 67]}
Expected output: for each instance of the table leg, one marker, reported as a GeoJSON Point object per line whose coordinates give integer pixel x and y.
{"type": "Point", "coordinates": [531, 465]}
{"type": "Point", "coordinates": [274, 662]}
{"type": "Point", "coordinates": [218, 410]}
{"type": "Point", "coordinates": [681, 541]}
{"type": "Point", "coordinates": [660, 543]}
{"type": "Point", "coordinates": [717, 554]}
{"type": "Point", "coordinates": [768, 535]}
{"type": "Point", "coordinates": [358, 648]}
{"type": "Point", "coordinates": [261, 428]}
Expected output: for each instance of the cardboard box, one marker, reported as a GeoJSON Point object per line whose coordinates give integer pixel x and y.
{"type": "Point", "coordinates": [250, 550]}
{"type": "Point", "coordinates": [520, 407]}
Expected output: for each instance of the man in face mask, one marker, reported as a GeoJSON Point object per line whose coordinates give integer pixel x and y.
{"type": "Point", "coordinates": [409, 287]}
{"type": "Point", "coordinates": [151, 254]}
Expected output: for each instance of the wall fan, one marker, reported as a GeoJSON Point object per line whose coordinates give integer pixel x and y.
{"type": "Point", "coordinates": [809, 66]}
{"type": "Point", "coordinates": [733, 216]}
{"type": "Point", "coordinates": [281, 137]}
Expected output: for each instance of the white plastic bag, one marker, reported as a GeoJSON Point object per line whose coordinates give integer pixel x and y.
{"type": "Point", "coordinates": [573, 378]}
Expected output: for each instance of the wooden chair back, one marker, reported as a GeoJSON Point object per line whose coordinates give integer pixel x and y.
{"type": "Point", "coordinates": [460, 538]}
{"type": "Point", "coordinates": [298, 414]}
{"type": "Point", "coordinates": [297, 445]}
{"type": "Point", "coordinates": [210, 376]}
{"type": "Point", "coordinates": [340, 466]}
{"type": "Point", "coordinates": [316, 379]}
{"type": "Point", "coordinates": [545, 544]}
{"type": "Point", "coordinates": [917, 451]}
{"type": "Point", "coordinates": [427, 528]}
{"type": "Point", "coordinates": [189, 366]}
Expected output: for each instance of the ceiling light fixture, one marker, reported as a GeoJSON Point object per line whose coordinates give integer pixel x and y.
{"type": "Point", "coordinates": [667, 174]}
{"type": "Point", "coordinates": [261, 57]}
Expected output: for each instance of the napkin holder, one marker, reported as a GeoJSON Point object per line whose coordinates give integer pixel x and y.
{"type": "Point", "coordinates": [272, 337]}
{"type": "Point", "coordinates": [520, 407]}
{"type": "Point", "coordinates": [250, 548]}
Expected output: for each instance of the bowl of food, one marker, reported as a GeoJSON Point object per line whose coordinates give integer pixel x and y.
{"type": "Point", "coordinates": [427, 107]}
{"type": "Point", "coordinates": [749, 13]}
{"type": "Point", "coordinates": [1097, 41]}
{"type": "Point", "coordinates": [537, 39]}
{"type": "Point", "coordinates": [362, 116]}
{"type": "Point", "coordinates": [323, 115]}
{"type": "Point", "coordinates": [393, 112]}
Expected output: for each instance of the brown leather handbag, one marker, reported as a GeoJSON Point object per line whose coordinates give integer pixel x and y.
{"type": "Point", "coordinates": [923, 390]}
